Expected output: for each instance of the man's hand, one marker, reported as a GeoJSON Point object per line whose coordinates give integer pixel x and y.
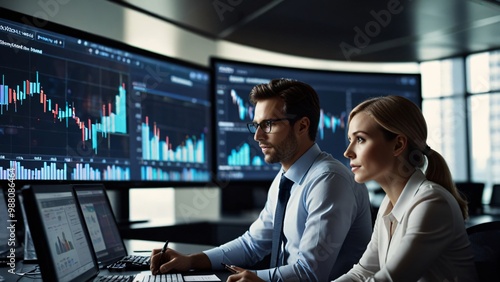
{"type": "Point", "coordinates": [243, 276]}
{"type": "Point", "coordinates": [169, 261]}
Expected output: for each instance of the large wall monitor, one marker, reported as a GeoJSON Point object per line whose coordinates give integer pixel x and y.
{"type": "Point", "coordinates": [239, 158]}
{"type": "Point", "coordinates": [79, 107]}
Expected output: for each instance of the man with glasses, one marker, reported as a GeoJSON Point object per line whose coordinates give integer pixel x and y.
{"type": "Point", "coordinates": [315, 227]}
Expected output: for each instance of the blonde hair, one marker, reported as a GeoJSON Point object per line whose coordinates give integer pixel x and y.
{"type": "Point", "coordinates": [398, 115]}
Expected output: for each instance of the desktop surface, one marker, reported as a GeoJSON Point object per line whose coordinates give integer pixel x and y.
{"type": "Point", "coordinates": [8, 277]}
{"type": "Point", "coordinates": [133, 246]}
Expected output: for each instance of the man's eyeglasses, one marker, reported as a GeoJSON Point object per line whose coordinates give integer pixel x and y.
{"type": "Point", "coordinates": [265, 125]}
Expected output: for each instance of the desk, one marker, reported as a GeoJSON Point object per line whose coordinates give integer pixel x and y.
{"type": "Point", "coordinates": [144, 247]}
{"type": "Point", "coordinates": [481, 218]}
{"type": "Point", "coordinates": [214, 232]}
{"type": "Point", "coordinates": [133, 246]}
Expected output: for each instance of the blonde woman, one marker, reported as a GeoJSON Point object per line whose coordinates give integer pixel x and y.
{"type": "Point", "coordinates": [419, 234]}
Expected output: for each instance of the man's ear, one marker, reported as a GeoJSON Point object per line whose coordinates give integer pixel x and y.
{"type": "Point", "coordinates": [303, 125]}
{"type": "Point", "coordinates": [400, 144]}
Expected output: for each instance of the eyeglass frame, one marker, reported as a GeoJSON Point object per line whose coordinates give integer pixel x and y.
{"type": "Point", "coordinates": [253, 126]}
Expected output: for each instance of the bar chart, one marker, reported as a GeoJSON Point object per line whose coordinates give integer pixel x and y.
{"type": "Point", "coordinates": [63, 120]}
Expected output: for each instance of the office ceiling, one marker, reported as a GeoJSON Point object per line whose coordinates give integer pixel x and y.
{"type": "Point", "coordinates": [345, 30]}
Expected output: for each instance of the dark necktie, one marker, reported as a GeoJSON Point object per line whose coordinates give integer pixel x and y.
{"type": "Point", "coordinates": [284, 194]}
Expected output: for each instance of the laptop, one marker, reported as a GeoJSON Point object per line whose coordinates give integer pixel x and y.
{"type": "Point", "coordinates": [29, 252]}
{"type": "Point", "coordinates": [4, 224]}
{"type": "Point", "coordinates": [64, 240]}
{"type": "Point", "coordinates": [101, 224]}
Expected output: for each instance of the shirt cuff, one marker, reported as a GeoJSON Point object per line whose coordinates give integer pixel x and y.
{"type": "Point", "coordinates": [215, 256]}
{"type": "Point", "coordinates": [263, 274]}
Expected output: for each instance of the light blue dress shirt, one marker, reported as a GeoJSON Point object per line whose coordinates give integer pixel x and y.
{"type": "Point", "coordinates": [327, 224]}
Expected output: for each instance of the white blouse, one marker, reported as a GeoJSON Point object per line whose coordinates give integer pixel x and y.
{"type": "Point", "coordinates": [429, 240]}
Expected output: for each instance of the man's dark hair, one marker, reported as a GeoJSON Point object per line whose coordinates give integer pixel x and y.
{"type": "Point", "coordinates": [301, 100]}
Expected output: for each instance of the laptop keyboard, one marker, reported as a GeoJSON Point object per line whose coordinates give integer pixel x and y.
{"type": "Point", "coordinates": [138, 260]}
{"type": "Point", "coordinates": [130, 262]}
{"type": "Point", "coordinates": [116, 278]}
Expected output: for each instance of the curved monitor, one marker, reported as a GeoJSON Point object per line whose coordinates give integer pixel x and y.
{"type": "Point", "coordinates": [239, 158]}
{"type": "Point", "coordinates": [76, 107]}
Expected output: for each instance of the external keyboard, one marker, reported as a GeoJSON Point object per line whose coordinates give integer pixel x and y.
{"type": "Point", "coordinates": [168, 277]}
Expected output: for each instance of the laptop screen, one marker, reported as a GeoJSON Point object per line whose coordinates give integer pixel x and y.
{"type": "Point", "coordinates": [60, 233]}
{"type": "Point", "coordinates": [101, 224]}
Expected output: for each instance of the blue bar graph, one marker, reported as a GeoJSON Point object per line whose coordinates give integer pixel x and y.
{"type": "Point", "coordinates": [49, 171]}
{"type": "Point", "coordinates": [60, 171]}
{"type": "Point", "coordinates": [242, 156]}
{"type": "Point", "coordinates": [186, 174]}
{"type": "Point", "coordinates": [110, 172]}
{"type": "Point", "coordinates": [191, 150]}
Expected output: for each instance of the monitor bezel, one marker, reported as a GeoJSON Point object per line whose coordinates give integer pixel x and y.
{"type": "Point", "coordinates": [41, 239]}
{"type": "Point", "coordinates": [106, 259]}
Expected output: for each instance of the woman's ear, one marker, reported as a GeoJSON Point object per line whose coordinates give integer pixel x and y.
{"type": "Point", "coordinates": [400, 145]}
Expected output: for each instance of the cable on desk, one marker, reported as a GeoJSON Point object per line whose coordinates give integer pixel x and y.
{"type": "Point", "coordinates": [34, 273]}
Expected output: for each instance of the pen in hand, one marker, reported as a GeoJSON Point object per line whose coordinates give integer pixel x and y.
{"type": "Point", "coordinates": [163, 250]}
{"type": "Point", "coordinates": [229, 268]}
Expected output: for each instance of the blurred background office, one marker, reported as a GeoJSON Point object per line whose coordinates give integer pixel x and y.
{"type": "Point", "coordinates": [454, 45]}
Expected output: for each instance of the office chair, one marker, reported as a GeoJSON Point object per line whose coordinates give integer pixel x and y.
{"type": "Point", "coordinates": [495, 196]}
{"type": "Point", "coordinates": [484, 239]}
{"type": "Point", "coordinates": [473, 192]}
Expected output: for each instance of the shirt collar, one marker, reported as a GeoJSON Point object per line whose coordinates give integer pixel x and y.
{"type": "Point", "coordinates": [410, 189]}
{"type": "Point", "coordinates": [300, 167]}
